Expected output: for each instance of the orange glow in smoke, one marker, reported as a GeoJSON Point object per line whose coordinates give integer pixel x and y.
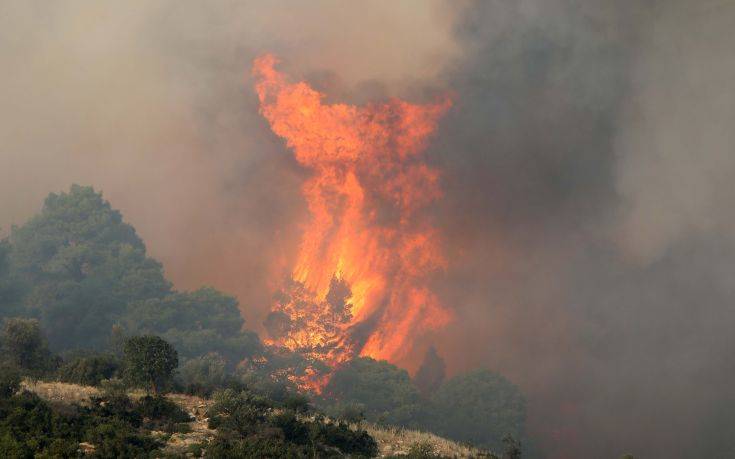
{"type": "Point", "coordinates": [360, 282]}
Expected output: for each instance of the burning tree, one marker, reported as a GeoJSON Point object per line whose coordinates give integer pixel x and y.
{"type": "Point", "coordinates": [360, 283]}
{"type": "Point", "coordinates": [306, 324]}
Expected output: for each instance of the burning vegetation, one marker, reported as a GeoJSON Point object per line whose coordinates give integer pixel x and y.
{"type": "Point", "coordinates": [359, 284]}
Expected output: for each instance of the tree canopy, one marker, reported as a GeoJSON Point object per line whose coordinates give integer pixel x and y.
{"type": "Point", "coordinates": [384, 390]}
{"type": "Point", "coordinates": [480, 407]}
{"type": "Point", "coordinates": [92, 282]}
{"type": "Point", "coordinates": [196, 323]}
{"type": "Point", "coordinates": [10, 289]}
{"type": "Point", "coordinates": [24, 346]}
{"type": "Point", "coordinates": [85, 265]}
{"type": "Point", "coordinates": [149, 362]}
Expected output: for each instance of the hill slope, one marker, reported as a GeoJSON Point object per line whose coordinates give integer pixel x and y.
{"type": "Point", "coordinates": [391, 441]}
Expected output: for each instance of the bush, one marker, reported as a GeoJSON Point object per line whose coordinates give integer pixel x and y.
{"type": "Point", "coordinates": [203, 375]}
{"type": "Point", "coordinates": [29, 428]}
{"type": "Point", "coordinates": [248, 426]}
{"type": "Point", "coordinates": [384, 390]}
{"type": "Point", "coordinates": [10, 380]}
{"type": "Point", "coordinates": [481, 408]}
{"type": "Point", "coordinates": [349, 412]}
{"type": "Point", "coordinates": [160, 413]}
{"type": "Point", "coordinates": [89, 370]}
{"type": "Point", "coordinates": [23, 345]}
{"type": "Point", "coordinates": [352, 442]}
{"type": "Point", "coordinates": [115, 438]}
{"type": "Point", "coordinates": [149, 362]}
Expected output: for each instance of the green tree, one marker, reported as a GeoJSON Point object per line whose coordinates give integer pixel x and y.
{"type": "Point", "coordinates": [149, 362]}
{"type": "Point", "coordinates": [85, 265]}
{"type": "Point", "coordinates": [10, 379]}
{"type": "Point", "coordinates": [10, 288]}
{"type": "Point", "coordinates": [384, 390]}
{"type": "Point", "coordinates": [480, 407]}
{"type": "Point", "coordinates": [24, 346]}
{"type": "Point", "coordinates": [196, 323]}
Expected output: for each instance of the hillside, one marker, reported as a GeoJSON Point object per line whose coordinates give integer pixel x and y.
{"type": "Point", "coordinates": [391, 441]}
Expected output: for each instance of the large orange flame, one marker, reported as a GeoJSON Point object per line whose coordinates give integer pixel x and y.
{"type": "Point", "coordinates": [359, 285]}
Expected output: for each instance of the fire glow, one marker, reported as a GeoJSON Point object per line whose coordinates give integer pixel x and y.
{"type": "Point", "coordinates": [360, 282]}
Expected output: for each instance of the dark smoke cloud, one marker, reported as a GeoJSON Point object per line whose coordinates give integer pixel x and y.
{"type": "Point", "coordinates": [586, 169]}
{"type": "Point", "coordinates": [587, 164]}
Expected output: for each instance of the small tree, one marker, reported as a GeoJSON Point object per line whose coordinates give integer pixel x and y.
{"type": "Point", "coordinates": [9, 380]}
{"type": "Point", "coordinates": [23, 345]}
{"type": "Point", "coordinates": [149, 362]}
{"type": "Point", "coordinates": [430, 375]}
{"type": "Point", "coordinates": [512, 447]}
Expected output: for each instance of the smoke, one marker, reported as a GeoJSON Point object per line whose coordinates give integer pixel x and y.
{"type": "Point", "coordinates": [587, 167]}
{"type": "Point", "coordinates": [152, 104]}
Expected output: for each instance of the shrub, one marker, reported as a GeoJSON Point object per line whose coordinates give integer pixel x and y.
{"type": "Point", "coordinates": [349, 412]}
{"type": "Point", "coordinates": [203, 375]}
{"type": "Point", "coordinates": [160, 413]}
{"type": "Point", "coordinates": [149, 362]}
{"type": "Point", "coordinates": [352, 442]}
{"type": "Point", "coordinates": [116, 438]}
{"type": "Point", "coordinates": [89, 370]}
{"type": "Point", "coordinates": [480, 407]}
{"type": "Point", "coordinates": [248, 426]}
{"type": "Point", "coordinates": [297, 403]}
{"type": "Point", "coordinates": [24, 346]}
{"type": "Point", "coordinates": [10, 379]}
{"type": "Point", "coordinates": [384, 390]}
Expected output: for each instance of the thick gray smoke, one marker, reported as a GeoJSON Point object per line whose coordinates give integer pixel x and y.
{"type": "Point", "coordinates": [587, 168]}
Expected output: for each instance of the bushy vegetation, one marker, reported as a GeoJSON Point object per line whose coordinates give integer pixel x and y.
{"type": "Point", "coordinates": [24, 346]}
{"type": "Point", "coordinates": [29, 427]}
{"type": "Point", "coordinates": [250, 425]}
{"type": "Point", "coordinates": [480, 407]}
{"type": "Point", "coordinates": [384, 391]}
{"type": "Point", "coordinates": [89, 370]}
{"type": "Point", "coordinates": [10, 379]}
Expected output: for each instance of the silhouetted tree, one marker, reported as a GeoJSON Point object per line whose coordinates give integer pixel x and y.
{"type": "Point", "coordinates": [512, 447]}
{"type": "Point", "coordinates": [384, 390]}
{"type": "Point", "coordinates": [480, 407]}
{"type": "Point", "coordinates": [430, 374]}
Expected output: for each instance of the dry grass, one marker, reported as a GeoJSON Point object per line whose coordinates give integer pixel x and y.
{"type": "Point", "coordinates": [398, 441]}
{"type": "Point", "coordinates": [59, 392]}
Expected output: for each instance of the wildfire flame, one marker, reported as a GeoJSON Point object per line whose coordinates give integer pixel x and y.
{"type": "Point", "coordinates": [360, 282]}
